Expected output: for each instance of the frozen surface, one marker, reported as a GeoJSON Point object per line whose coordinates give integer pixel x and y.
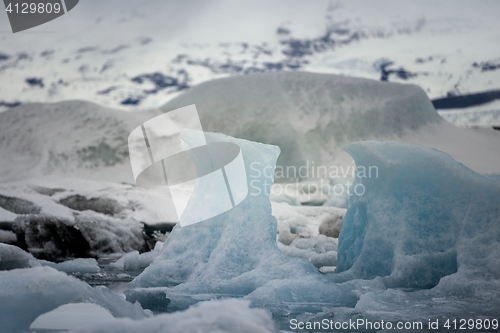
{"type": "Point", "coordinates": [230, 316]}
{"type": "Point", "coordinates": [27, 293]}
{"type": "Point", "coordinates": [424, 218]}
{"type": "Point", "coordinates": [234, 254]}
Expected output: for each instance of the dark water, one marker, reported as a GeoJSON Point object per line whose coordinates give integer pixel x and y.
{"type": "Point", "coordinates": [466, 101]}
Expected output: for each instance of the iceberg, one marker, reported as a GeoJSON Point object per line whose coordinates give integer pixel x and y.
{"type": "Point", "coordinates": [310, 116]}
{"type": "Point", "coordinates": [12, 257]}
{"type": "Point", "coordinates": [424, 217]}
{"type": "Point", "coordinates": [234, 254]}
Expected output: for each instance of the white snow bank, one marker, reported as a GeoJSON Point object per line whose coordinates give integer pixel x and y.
{"type": "Point", "coordinates": [27, 293]}
{"type": "Point", "coordinates": [231, 316]}
{"type": "Point", "coordinates": [425, 217]}
{"type": "Point", "coordinates": [234, 254]}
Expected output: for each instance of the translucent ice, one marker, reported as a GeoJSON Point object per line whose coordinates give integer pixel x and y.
{"type": "Point", "coordinates": [27, 293]}
{"type": "Point", "coordinates": [234, 254]}
{"type": "Point", "coordinates": [424, 217]}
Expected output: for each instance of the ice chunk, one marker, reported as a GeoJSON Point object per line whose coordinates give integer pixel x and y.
{"type": "Point", "coordinates": [229, 316]}
{"type": "Point", "coordinates": [133, 261]}
{"type": "Point", "coordinates": [424, 217]}
{"type": "Point", "coordinates": [331, 225]}
{"type": "Point", "coordinates": [6, 215]}
{"type": "Point", "coordinates": [310, 116]}
{"type": "Point", "coordinates": [79, 265]}
{"type": "Point", "coordinates": [27, 293]}
{"type": "Point", "coordinates": [320, 250]}
{"type": "Point", "coordinates": [235, 253]}
{"type": "Point", "coordinates": [7, 237]}
{"type": "Point", "coordinates": [12, 257]}
{"type": "Point", "coordinates": [71, 316]}
{"type": "Point", "coordinates": [306, 221]}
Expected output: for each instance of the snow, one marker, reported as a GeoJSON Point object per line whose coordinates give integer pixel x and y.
{"type": "Point", "coordinates": [104, 56]}
{"type": "Point", "coordinates": [425, 217]}
{"type": "Point", "coordinates": [230, 315]}
{"type": "Point", "coordinates": [25, 294]}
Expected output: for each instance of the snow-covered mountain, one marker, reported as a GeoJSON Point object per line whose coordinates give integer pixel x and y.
{"type": "Point", "coordinates": [134, 55]}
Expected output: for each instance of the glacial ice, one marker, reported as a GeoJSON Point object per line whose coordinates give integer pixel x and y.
{"type": "Point", "coordinates": [234, 254]}
{"type": "Point", "coordinates": [133, 261]}
{"type": "Point", "coordinates": [226, 316]}
{"type": "Point", "coordinates": [27, 293]}
{"type": "Point", "coordinates": [79, 265]}
{"type": "Point", "coordinates": [12, 257]}
{"type": "Point", "coordinates": [425, 217]}
{"type": "Point", "coordinates": [311, 115]}
{"type": "Point", "coordinates": [320, 250]}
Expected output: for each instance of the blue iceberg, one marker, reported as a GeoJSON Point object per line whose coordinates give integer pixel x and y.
{"type": "Point", "coordinates": [424, 217]}
{"type": "Point", "coordinates": [234, 254]}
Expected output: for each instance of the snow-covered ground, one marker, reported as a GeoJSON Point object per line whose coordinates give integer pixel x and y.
{"type": "Point", "coordinates": [131, 55]}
